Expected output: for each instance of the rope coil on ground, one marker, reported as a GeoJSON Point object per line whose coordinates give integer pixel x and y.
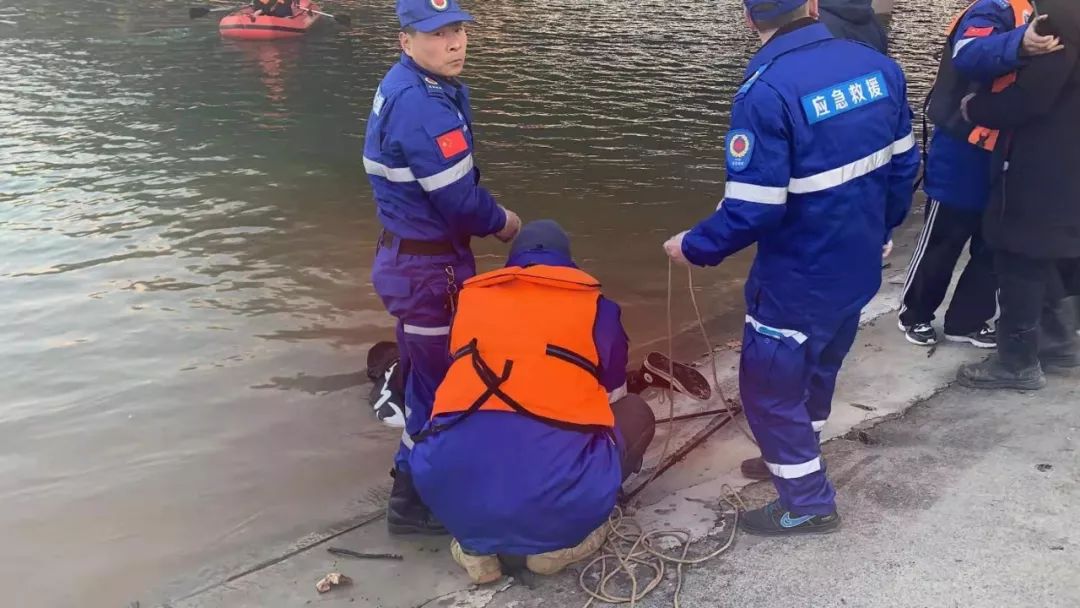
{"type": "Point", "coordinates": [628, 546]}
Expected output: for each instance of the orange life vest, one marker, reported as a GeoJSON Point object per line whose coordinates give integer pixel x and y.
{"type": "Point", "coordinates": [950, 88]}
{"type": "Point", "coordinates": [522, 341]}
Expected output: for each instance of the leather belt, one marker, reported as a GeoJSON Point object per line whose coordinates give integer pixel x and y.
{"type": "Point", "coordinates": [411, 247]}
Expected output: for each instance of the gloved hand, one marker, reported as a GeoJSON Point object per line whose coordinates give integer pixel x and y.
{"type": "Point", "coordinates": [673, 247]}
{"type": "Point", "coordinates": [511, 228]}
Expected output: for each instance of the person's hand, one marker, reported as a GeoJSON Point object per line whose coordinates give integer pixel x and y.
{"type": "Point", "coordinates": [511, 228]}
{"type": "Point", "coordinates": [1036, 44]}
{"type": "Point", "coordinates": [673, 247]}
{"type": "Point", "coordinates": [886, 250]}
{"type": "Point", "coordinates": [964, 106]}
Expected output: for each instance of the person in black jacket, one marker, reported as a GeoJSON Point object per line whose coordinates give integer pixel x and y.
{"type": "Point", "coordinates": [1033, 220]}
{"type": "Point", "coordinates": [273, 8]}
{"type": "Point", "coordinates": [854, 20]}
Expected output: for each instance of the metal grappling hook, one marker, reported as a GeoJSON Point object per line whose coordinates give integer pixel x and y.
{"type": "Point", "coordinates": [451, 289]}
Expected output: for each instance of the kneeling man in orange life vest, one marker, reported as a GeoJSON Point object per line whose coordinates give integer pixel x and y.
{"type": "Point", "coordinates": [532, 432]}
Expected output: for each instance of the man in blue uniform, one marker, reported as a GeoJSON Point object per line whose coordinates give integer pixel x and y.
{"type": "Point", "coordinates": [989, 40]}
{"type": "Point", "coordinates": [850, 20]}
{"type": "Point", "coordinates": [821, 162]}
{"type": "Point", "coordinates": [418, 154]}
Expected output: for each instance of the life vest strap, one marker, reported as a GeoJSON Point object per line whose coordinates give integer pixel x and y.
{"type": "Point", "coordinates": [487, 376]}
{"type": "Point", "coordinates": [461, 352]}
{"type": "Point", "coordinates": [552, 350]}
{"type": "Point", "coordinates": [493, 382]}
{"type": "Point", "coordinates": [565, 354]}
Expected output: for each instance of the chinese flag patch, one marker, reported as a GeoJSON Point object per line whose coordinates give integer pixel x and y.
{"type": "Point", "coordinates": [978, 32]}
{"type": "Point", "coordinates": [452, 143]}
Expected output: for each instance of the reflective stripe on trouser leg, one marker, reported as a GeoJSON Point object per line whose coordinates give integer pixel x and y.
{"type": "Point", "coordinates": [774, 382]}
{"type": "Point", "coordinates": [429, 359]}
{"type": "Point", "coordinates": [826, 356]}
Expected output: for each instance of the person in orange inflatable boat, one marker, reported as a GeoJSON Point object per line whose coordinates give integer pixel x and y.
{"type": "Point", "coordinates": [272, 8]}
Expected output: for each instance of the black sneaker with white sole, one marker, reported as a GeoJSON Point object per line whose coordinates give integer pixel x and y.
{"type": "Point", "coordinates": [387, 397]}
{"type": "Point", "coordinates": [983, 338]}
{"type": "Point", "coordinates": [774, 520]}
{"type": "Point", "coordinates": [659, 371]}
{"type": "Point", "coordinates": [920, 334]}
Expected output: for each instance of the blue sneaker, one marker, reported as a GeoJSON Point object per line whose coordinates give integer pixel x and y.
{"type": "Point", "coordinates": [774, 520]}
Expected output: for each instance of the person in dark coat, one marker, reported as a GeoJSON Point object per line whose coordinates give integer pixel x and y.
{"type": "Point", "coordinates": [854, 20]}
{"type": "Point", "coordinates": [1033, 220]}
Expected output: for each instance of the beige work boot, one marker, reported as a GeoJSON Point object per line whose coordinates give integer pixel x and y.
{"type": "Point", "coordinates": [482, 569]}
{"type": "Point", "coordinates": [553, 562]}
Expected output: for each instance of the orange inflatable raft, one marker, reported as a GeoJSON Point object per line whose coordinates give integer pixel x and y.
{"type": "Point", "coordinates": [243, 25]}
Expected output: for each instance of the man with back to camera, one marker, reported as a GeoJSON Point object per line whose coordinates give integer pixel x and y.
{"type": "Point", "coordinates": [821, 162]}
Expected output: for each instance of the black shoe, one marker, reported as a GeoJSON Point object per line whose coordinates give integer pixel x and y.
{"type": "Point", "coordinates": [406, 513]}
{"type": "Point", "coordinates": [1064, 364]}
{"type": "Point", "coordinates": [754, 468]}
{"type": "Point", "coordinates": [920, 334]}
{"type": "Point", "coordinates": [774, 520]}
{"type": "Point", "coordinates": [387, 399]}
{"type": "Point", "coordinates": [636, 382]}
{"type": "Point", "coordinates": [992, 374]}
{"type": "Point", "coordinates": [983, 338]}
{"type": "Point", "coordinates": [380, 357]}
{"type": "Point", "coordinates": [658, 371]}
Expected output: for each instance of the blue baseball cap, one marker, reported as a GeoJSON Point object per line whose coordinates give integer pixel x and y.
{"type": "Point", "coordinates": [542, 235]}
{"type": "Point", "coordinates": [771, 9]}
{"type": "Point", "coordinates": [430, 15]}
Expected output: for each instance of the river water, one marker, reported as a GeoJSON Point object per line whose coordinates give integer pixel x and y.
{"type": "Point", "coordinates": [186, 235]}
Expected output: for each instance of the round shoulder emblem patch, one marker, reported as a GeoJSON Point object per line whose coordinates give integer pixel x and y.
{"type": "Point", "coordinates": [431, 81]}
{"type": "Point", "coordinates": [440, 5]}
{"type": "Point", "coordinates": [740, 147]}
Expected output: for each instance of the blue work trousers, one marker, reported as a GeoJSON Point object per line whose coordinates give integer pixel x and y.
{"type": "Point", "coordinates": [787, 379]}
{"type": "Point", "coordinates": [419, 291]}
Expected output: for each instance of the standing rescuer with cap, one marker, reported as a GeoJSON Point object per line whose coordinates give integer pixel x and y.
{"type": "Point", "coordinates": [820, 168]}
{"type": "Point", "coordinates": [418, 155]}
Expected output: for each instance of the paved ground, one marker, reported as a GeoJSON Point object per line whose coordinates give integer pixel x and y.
{"type": "Point", "coordinates": [964, 501]}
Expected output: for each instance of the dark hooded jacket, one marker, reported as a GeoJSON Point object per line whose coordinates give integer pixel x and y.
{"type": "Point", "coordinates": [1035, 204]}
{"type": "Point", "coordinates": [854, 20]}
